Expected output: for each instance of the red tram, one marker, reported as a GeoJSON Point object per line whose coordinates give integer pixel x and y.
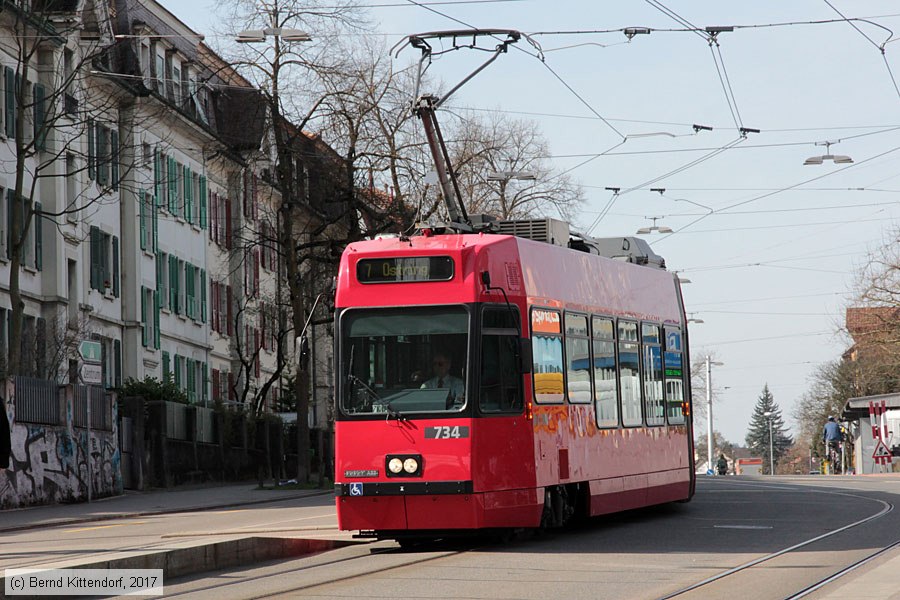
{"type": "Point", "coordinates": [493, 381]}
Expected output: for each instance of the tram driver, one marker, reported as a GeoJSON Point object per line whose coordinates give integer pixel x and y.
{"type": "Point", "coordinates": [441, 364]}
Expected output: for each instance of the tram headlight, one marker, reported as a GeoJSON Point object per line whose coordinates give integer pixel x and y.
{"type": "Point", "coordinates": [403, 465]}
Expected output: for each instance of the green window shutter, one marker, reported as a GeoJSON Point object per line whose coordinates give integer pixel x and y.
{"type": "Point", "coordinates": [178, 361]}
{"type": "Point", "coordinates": [203, 295]}
{"type": "Point", "coordinates": [40, 136]}
{"type": "Point", "coordinates": [205, 389]}
{"type": "Point", "coordinates": [166, 371]}
{"type": "Point", "coordinates": [173, 283]}
{"type": "Point", "coordinates": [192, 394]}
{"type": "Point", "coordinates": [144, 332]}
{"type": "Point", "coordinates": [157, 178]}
{"type": "Point", "coordinates": [102, 154]}
{"type": "Point", "coordinates": [96, 264]}
{"type": "Point", "coordinates": [189, 291]}
{"type": "Point", "coordinates": [115, 266]}
{"type": "Point", "coordinates": [188, 194]}
{"type": "Point", "coordinates": [92, 150]}
{"type": "Point", "coordinates": [173, 185]}
{"type": "Point", "coordinates": [114, 154]}
{"type": "Point", "coordinates": [156, 319]}
{"type": "Point", "coordinates": [10, 77]}
{"type": "Point", "coordinates": [155, 222]}
{"type": "Point", "coordinates": [203, 199]}
{"type": "Point", "coordinates": [117, 358]}
{"type": "Point", "coordinates": [142, 218]}
{"type": "Point", "coordinates": [10, 196]}
{"type": "Point", "coordinates": [38, 223]}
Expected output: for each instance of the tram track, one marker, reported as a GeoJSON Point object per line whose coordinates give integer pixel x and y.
{"type": "Point", "coordinates": [362, 558]}
{"type": "Point", "coordinates": [766, 560]}
{"type": "Point", "coordinates": [374, 564]}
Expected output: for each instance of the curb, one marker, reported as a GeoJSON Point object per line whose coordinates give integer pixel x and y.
{"type": "Point", "coordinates": [162, 511]}
{"type": "Point", "coordinates": [179, 562]}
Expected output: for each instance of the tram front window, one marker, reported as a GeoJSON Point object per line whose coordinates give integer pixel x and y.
{"type": "Point", "coordinates": [401, 361]}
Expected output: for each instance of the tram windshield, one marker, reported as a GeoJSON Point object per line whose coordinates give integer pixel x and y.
{"type": "Point", "coordinates": [400, 361]}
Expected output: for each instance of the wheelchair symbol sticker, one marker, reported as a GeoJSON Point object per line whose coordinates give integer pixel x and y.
{"type": "Point", "coordinates": [356, 489]}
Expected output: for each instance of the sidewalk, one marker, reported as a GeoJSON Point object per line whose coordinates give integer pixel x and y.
{"type": "Point", "coordinates": [147, 503]}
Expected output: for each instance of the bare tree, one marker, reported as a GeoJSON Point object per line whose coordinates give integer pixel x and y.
{"type": "Point", "coordinates": [503, 170]}
{"type": "Point", "coordinates": [303, 225]}
{"type": "Point", "coordinates": [878, 288]}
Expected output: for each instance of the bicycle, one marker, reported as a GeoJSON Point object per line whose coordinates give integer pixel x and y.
{"type": "Point", "coordinates": [834, 456]}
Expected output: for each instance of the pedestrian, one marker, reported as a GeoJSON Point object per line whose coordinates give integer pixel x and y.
{"type": "Point", "coordinates": [722, 465]}
{"type": "Point", "coordinates": [5, 437]}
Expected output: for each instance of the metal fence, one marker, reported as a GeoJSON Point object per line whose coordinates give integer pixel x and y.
{"type": "Point", "coordinates": [38, 401]}
{"type": "Point", "coordinates": [176, 421]}
{"type": "Point", "coordinates": [101, 408]}
{"type": "Point", "coordinates": [206, 431]}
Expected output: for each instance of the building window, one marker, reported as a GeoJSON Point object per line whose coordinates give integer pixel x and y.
{"type": "Point", "coordinates": [104, 262]}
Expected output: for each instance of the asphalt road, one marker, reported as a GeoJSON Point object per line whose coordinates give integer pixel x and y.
{"type": "Point", "coordinates": [739, 538]}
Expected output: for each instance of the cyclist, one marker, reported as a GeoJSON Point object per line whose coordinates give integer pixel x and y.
{"type": "Point", "coordinates": [832, 437]}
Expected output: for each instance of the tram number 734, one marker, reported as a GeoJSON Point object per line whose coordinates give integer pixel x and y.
{"type": "Point", "coordinates": [446, 432]}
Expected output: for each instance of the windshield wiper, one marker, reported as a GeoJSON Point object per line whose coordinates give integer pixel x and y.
{"type": "Point", "coordinates": [376, 399]}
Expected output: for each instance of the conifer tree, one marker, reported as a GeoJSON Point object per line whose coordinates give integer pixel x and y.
{"type": "Point", "coordinates": [758, 434]}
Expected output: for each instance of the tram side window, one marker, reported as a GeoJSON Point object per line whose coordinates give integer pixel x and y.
{"type": "Point", "coordinates": [547, 348]}
{"type": "Point", "coordinates": [654, 409]}
{"type": "Point", "coordinates": [501, 389]}
{"type": "Point", "coordinates": [629, 373]}
{"type": "Point", "coordinates": [604, 372]}
{"type": "Point", "coordinates": [674, 374]}
{"type": "Point", "coordinates": [578, 359]}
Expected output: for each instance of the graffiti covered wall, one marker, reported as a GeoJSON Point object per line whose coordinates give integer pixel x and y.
{"type": "Point", "coordinates": [56, 463]}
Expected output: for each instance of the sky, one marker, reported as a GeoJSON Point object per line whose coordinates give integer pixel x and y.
{"type": "Point", "coordinates": [771, 246]}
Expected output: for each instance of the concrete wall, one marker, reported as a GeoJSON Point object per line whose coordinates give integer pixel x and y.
{"type": "Point", "coordinates": [50, 463]}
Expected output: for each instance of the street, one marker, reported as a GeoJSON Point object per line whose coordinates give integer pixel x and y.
{"type": "Point", "coordinates": [774, 536]}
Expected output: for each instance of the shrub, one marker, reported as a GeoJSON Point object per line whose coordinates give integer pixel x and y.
{"type": "Point", "coordinates": [151, 388]}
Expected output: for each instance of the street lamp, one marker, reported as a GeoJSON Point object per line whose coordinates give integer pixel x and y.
{"type": "Point", "coordinates": [709, 412]}
{"type": "Point", "coordinates": [694, 320]}
{"type": "Point", "coordinates": [507, 175]}
{"type": "Point", "coordinates": [768, 415]}
{"type": "Point", "coordinates": [250, 36]}
{"type": "Point", "coordinates": [838, 159]}
{"type": "Point", "coordinates": [654, 227]}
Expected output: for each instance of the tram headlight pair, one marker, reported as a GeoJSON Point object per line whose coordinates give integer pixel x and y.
{"type": "Point", "coordinates": [404, 465]}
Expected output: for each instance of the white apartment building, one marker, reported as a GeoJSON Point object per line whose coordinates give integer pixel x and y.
{"type": "Point", "coordinates": [165, 255]}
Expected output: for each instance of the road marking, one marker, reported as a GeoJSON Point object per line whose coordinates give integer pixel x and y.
{"type": "Point", "coordinates": [332, 515]}
{"type": "Point", "coordinates": [104, 527]}
{"type": "Point", "coordinates": [742, 527]}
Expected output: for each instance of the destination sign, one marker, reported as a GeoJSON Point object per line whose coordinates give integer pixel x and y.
{"type": "Point", "coordinates": [404, 270]}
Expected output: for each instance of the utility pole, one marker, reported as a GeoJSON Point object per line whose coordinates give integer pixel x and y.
{"type": "Point", "coordinates": [709, 412]}
{"type": "Point", "coordinates": [709, 416]}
